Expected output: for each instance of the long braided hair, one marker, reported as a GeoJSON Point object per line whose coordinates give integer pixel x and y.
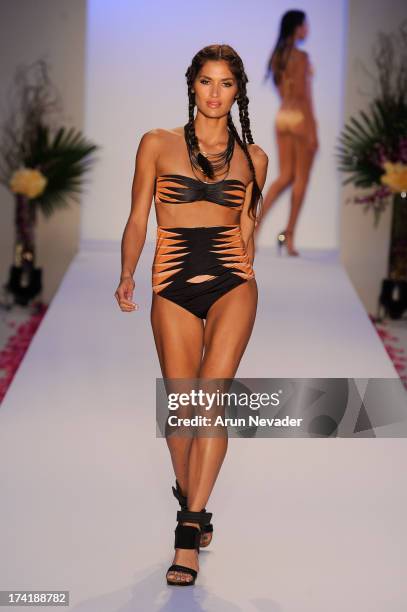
{"type": "Point", "coordinates": [285, 43]}
{"type": "Point", "coordinates": [224, 52]}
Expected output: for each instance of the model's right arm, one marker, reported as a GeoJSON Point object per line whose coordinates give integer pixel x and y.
{"type": "Point", "coordinates": [134, 234]}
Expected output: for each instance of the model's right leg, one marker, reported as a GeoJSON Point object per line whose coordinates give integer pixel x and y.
{"type": "Point", "coordinates": [285, 146]}
{"type": "Point", "coordinates": [179, 339]}
{"type": "Point", "coordinates": [304, 157]}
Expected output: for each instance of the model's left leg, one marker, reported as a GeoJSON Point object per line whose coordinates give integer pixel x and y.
{"type": "Point", "coordinates": [228, 329]}
{"type": "Point", "coordinates": [286, 157]}
{"type": "Point", "coordinates": [178, 335]}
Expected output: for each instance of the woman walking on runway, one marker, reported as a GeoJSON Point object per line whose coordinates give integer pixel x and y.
{"type": "Point", "coordinates": [206, 192]}
{"type": "Point", "coordinates": [295, 124]}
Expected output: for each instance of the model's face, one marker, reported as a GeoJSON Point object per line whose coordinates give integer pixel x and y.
{"type": "Point", "coordinates": [302, 31]}
{"type": "Point", "coordinates": [215, 88]}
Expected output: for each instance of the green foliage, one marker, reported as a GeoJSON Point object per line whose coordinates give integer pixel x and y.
{"type": "Point", "coordinates": [369, 140]}
{"type": "Point", "coordinates": [378, 134]}
{"type": "Point", "coordinates": [64, 159]}
{"type": "Point", "coordinates": [62, 154]}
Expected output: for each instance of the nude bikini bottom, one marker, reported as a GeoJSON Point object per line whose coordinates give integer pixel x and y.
{"type": "Point", "coordinates": [195, 266]}
{"type": "Point", "coordinates": [288, 118]}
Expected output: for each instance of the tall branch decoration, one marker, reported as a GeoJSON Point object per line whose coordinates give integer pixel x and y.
{"type": "Point", "coordinates": [41, 164]}
{"type": "Point", "coordinates": [373, 145]}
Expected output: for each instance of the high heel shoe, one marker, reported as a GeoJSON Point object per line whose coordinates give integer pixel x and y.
{"type": "Point", "coordinates": [282, 241]}
{"type": "Point", "coordinates": [183, 502]}
{"type": "Point", "coordinates": [187, 537]}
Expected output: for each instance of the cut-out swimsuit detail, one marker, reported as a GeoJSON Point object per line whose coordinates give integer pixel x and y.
{"type": "Point", "coordinates": [195, 266]}
{"type": "Point", "coordinates": [180, 189]}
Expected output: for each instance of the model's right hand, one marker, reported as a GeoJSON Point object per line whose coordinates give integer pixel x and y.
{"type": "Point", "coordinates": [124, 294]}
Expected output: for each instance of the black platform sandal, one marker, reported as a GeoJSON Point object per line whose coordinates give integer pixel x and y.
{"type": "Point", "coordinates": [183, 502]}
{"type": "Point", "coordinates": [187, 536]}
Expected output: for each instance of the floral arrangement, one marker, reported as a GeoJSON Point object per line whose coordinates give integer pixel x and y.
{"type": "Point", "coordinates": [41, 164]}
{"type": "Point", "coordinates": [373, 145]}
{"type": "Point", "coordinates": [37, 159]}
{"type": "Point", "coordinates": [28, 182]}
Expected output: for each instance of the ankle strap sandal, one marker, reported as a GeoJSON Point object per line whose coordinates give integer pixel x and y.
{"type": "Point", "coordinates": [182, 499]}
{"type": "Point", "coordinates": [187, 536]}
{"type": "Point", "coordinates": [183, 502]}
{"type": "Point", "coordinates": [189, 516]}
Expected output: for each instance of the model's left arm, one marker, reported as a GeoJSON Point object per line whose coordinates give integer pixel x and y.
{"type": "Point", "coordinates": [247, 223]}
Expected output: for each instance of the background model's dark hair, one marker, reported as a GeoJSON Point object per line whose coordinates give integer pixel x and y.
{"type": "Point", "coordinates": [224, 52]}
{"type": "Point", "coordinates": [285, 42]}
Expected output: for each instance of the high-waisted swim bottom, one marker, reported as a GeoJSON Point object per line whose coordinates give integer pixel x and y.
{"type": "Point", "coordinates": [195, 266]}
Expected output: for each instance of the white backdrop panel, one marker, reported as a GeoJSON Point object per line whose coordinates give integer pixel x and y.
{"type": "Point", "coordinates": [137, 55]}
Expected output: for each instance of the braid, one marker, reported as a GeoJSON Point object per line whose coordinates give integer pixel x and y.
{"type": "Point", "coordinates": [189, 130]}
{"type": "Point", "coordinates": [243, 104]}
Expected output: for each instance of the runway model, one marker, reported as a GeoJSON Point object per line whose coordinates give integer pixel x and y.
{"type": "Point", "coordinates": [295, 124]}
{"type": "Point", "coordinates": [206, 180]}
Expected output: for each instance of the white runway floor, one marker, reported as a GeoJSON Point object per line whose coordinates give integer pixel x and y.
{"type": "Point", "coordinates": [301, 525]}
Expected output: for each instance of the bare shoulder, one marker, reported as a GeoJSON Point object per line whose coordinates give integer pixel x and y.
{"type": "Point", "coordinates": [149, 141]}
{"type": "Point", "coordinates": [153, 137]}
{"type": "Point", "coordinates": [166, 134]}
{"type": "Point", "coordinates": [259, 157]}
{"type": "Point", "coordinates": [302, 55]}
{"type": "Point", "coordinates": [153, 141]}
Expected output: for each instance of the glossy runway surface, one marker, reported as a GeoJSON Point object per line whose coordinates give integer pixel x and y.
{"type": "Point", "coordinates": [301, 525]}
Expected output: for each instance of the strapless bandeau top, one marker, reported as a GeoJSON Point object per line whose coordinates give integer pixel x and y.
{"type": "Point", "coordinates": [180, 189]}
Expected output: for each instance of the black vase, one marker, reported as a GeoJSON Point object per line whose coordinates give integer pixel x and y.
{"type": "Point", "coordinates": [397, 268]}
{"type": "Point", "coordinates": [393, 298]}
{"type": "Point", "coordinates": [24, 283]}
{"type": "Point", "coordinates": [25, 280]}
{"type": "Point", "coordinates": [393, 294]}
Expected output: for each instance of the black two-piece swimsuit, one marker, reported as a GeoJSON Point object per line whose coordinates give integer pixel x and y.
{"type": "Point", "coordinates": [195, 266]}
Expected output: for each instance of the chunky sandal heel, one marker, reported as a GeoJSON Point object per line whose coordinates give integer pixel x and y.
{"type": "Point", "coordinates": [183, 502]}
{"type": "Point", "coordinates": [187, 537]}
